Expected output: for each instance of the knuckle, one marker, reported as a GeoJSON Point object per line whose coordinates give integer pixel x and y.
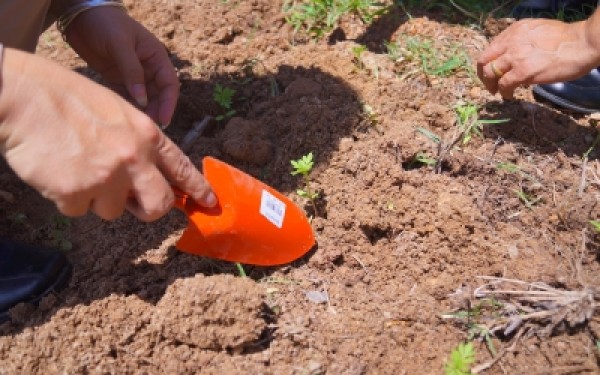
{"type": "Point", "coordinates": [184, 169]}
{"type": "Point", "coordinates": [65, 193]}
{"type": "Point", "coordinates": [148, 130]}
{"type": "Point", "coordinates": [103, 175]}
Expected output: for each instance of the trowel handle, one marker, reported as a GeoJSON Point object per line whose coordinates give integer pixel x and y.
{"type": "Point", "coordinates": [180, 198]}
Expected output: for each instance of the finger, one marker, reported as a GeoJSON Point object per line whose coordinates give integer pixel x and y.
{"type": "Point", "coordinates": [152, 109]}
{"type": "Point", "coordinates": [490, 83]}
{"type": "Point", "coordinates": [167, 85]}
{"type": "Point", "coordinates": [167, 102]}
{"type": "Point", "coordinates": [181, 172]}
{"type": "Point", "coordinates": [491, 53]}
{"type": "Point", "coordinates": [152, 197]}
{"type": "Point", "coordinates": [132, 73]}
{"type": "Point", "coordinates": [73, 206]}
{"type": "Point", "coordinates": [110, 205]}
{"type": "Point", "coordinates": [495, 69]}
{"type": "Point", "coordinates": [508, 84]}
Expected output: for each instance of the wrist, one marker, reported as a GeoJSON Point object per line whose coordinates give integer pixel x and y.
{"type": "Point", "coordinates": [591, 36]}
{"type": "Point", "coordinates": [70, 10]}
{"type": "Point", "coordinates": [12, 67]}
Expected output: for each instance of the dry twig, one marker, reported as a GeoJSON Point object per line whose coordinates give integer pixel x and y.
{"type": "Point", "coordinates": [519, 308]}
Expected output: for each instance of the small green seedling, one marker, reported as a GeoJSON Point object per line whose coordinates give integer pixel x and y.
{"type": "Point", "coordinates": [417, 53]}
{"type": "Point", "coordinates": [461, 359]}
{"type": "Point", "coordinates": [302, 167]}
{"type": "Point", "coordinates": [586, 155]}
{"type": "Point", "coordinates": [529, 200]}
{"type": "Point", "coordinates": [357, 55]}
{"type": "Point", "coordinates": [18, 218]}
{"type": "Point", "coordinates": [367, 10]}
{"type": "Point", "coordinates": [316, 16]}
{"type": "Point", "coordinates": [515, 169]}
{"type": "Point", "coordinates": [474, 318]}
{"type": "Point", "coordinates": [59, 237]}
{"type": "Point", "coordinates": [425, 159]}
{"type": "Point", "coordinates": [432, 136]}
{"type": "Point", "coordinates": [224, 97]}
{"type": "Point", "coordinates": [480, 331]}
{"type": "Point", "coordinates": [319, 17]}
{"type": "Point", "coordinates": [595, 225]}
{"type": "Point", "coordinates": [421, 157]}
{"type": "Point", "coordinates": [369, 114]}
{"type": "Point", "coordinates": [468, 121]}
{"type": "Point", "coordinates": [241, 270]}
{"type": "Point", "coordinates": [508, 167]}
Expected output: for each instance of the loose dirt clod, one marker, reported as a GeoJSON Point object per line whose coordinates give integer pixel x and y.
{"type": "Point", "coordinates": [247, 141]}
{"type": "Point", "coordinates": [211, 314]}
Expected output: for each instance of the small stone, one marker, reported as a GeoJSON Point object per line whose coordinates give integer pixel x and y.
{"type": "Point", "coordinates": [317, 297]}
{"type": "Point", "coordinates": [315, 367]}
{"type": "Point", "coordinates": [346, 144]}
{"type": "Point", "coordinates": [475, 92]}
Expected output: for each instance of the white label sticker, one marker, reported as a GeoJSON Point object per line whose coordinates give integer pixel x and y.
{"type": "Point", "coordinates": [272, 208]}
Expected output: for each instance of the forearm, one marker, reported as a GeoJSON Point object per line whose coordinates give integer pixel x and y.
{"type": "Point", "coordinates": [65, 11]}
{"type": "Point", "coordinates": [14, 79]}
{"type": "Point", "coordinates": [592, 34]}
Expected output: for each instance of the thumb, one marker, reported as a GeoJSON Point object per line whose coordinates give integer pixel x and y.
{"type": "Point", "coordinates": [132, 73]}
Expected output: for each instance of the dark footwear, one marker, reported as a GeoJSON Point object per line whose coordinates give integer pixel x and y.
{"type": "Point", "coordinates": [554, 9]}
{"type": "Point", "coordinates": [581, 95]}
{"type": "Point", "coordinates": [29, 273]}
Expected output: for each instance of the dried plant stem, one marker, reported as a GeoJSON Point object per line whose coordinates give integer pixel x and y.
{"type": "Point", "coordinates": [582, 182]}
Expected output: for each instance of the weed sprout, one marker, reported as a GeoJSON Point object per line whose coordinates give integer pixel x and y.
{"type": "Point", "coordinates": [224, 97]}
{"type": "Point", "coordinates": [302, 167]}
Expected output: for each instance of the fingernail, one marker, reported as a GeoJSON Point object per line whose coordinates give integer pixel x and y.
{"type": "Point", "coordinates": [164, 126]}
{"type": "Point", "coordinates": [138, 91]}
{"type": "Point", "coordinates": [210, 200]}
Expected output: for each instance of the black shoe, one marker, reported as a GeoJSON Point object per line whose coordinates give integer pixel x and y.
{"type": "Point", "coordinates": [564, 9]}
{"type": "Point", "coordinates": [29, 273]}
{"type": "Point", "coordinates": [581, 95]}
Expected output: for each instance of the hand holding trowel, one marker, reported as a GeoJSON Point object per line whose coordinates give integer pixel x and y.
{"type": "Point", "coordinates": [252, 223]}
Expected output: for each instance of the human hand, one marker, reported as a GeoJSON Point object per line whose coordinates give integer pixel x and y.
{"type": "Point", "coordinates": [129, 58]}
{"type": "Point", "coordinates": [535, 51]}
{"type": "Point", "coordinates": [86, 148]}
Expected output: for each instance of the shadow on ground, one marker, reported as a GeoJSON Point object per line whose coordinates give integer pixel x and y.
{"type": "Point", "coordinates": [280, 116]}
{"type": "Point", "coordinates": [541, 129]}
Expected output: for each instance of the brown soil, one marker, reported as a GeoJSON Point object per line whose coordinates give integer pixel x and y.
{"type": "Point", "coordinates": [395, 239]}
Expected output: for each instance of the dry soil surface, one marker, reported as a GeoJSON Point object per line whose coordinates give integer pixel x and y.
{"type": "Point", "coordinates": [399, 245]}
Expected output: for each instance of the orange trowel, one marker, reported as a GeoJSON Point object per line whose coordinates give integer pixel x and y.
{"type": "Point", "coordinates": [252, 224]}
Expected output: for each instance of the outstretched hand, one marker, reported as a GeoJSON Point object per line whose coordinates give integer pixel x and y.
{"type": "Point", "coordinates": [535, 51]}
{"type": "Point", "coordinates": [129, 58]}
